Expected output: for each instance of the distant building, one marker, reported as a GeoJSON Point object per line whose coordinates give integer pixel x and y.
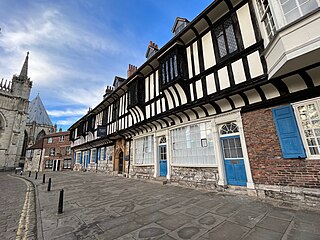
{"type": "Point", "coordinates": [14, 100]}
{"type": "Point", "coordinates": [56, 152]}
{"type": "Point", "coordinates": [38, 123]}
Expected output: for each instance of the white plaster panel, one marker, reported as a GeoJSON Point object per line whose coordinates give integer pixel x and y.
{"type": "Point", "coordinates": [238, 71]}
{"type": "Point", "coordinates": [147, 88]}
{"type": "Point", "coordinates": [151, 86]}
{"type": "Point", "coordinates": [210, 109]}
{"type": "Point", "coordinates": [153, 109]}
{"type": "Point", "coordinates": [148, 111]}
{"type": "Point", "coordinates": [237, 100]}
{"type": "Point", "coordinates": [158, 107]}
{"type": "Point", "coordinates": [157, 82]}
{"type": "Point", "coordinates": [253, 96]}
{"type": "Point", "coordinates": [163, 102]}
{"type": "Point", "coordinates": [175, 97]}
{"type": "Point", "coordinates": [169, 99]}
{"type": "Point", "coordinates": [315, 75]}
{"type": "Point", "coordinates": [182, 94]}
{"type": "Point", "coordinates": [140, 113]}
{"type": "Point", "coordinates": [191, 92]}
{"type": "Point", "coordinates": [208, 51]}
{"type": "Point", "coordinates": [270, 91]}
{"type": "Point", "coordinates": [191, 114]}
{"type": "Point", "coordinates": [246, 27]}
{"type": "Point", "coordinates": [211, 85]}
{"type": "Point", "coordinates": [200, 112]}
{"type": "Point", "coordinates": [199, 89]}
{"type": "Point", "coordinates": [255, 65]}
{"type": "Point", "coordinates": [224, 105]}
{"type": "Point", "coordinates": [223, 78]}
{"type": "Point", "coordinates": [189, 62]}
{"type": "Point", "coordinates": [295, 83]}
{"type": "Point", "coordinates": [196, 58]}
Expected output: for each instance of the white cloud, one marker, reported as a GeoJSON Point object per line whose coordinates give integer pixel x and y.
{"type": "Point", "coordinates": [67, 112]}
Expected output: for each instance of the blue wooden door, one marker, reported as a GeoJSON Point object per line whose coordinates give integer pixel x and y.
{"type": "Point", "coordinates": [233, 161]}
{"type": "Point", "coordinates": [163, 160]}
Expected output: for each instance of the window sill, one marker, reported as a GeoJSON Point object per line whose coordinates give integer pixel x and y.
{"type": "Point", "coordinates": [143, 165]}
{"type": "Point", "coordinates": [194, 165]}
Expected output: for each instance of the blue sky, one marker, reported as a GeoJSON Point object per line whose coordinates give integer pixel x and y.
{"type": "Point", "coordinates": [78, 46]}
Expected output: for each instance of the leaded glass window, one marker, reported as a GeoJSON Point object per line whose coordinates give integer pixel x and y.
{"type": "Point", "coordinates": [193, 145]}
{"type": "Point", "coordinates": [144, 150]}
{"type": "Point", "coordinates": [226, 39]}
{"type": "Point", "coordinates": [310, 121]}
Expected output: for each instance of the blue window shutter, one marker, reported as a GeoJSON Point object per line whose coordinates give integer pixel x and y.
{"type": "Point", "coordinates": [104, 153]}
{"type": "Point", "coordinates": [288, 132]}
{"type": "Point", "coordinates": [80, 157]}
{"type": "Point", "coordinates": [89, 156]}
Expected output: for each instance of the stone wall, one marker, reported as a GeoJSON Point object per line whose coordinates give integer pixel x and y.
{"type": "Point", "coordinates": [142, 172]}
{"type": "Point", "coordinates": [195, 177]}
{"type": "Point", "coordinates": [268, 166]}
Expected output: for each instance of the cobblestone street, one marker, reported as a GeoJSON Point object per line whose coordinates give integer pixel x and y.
{"type": "Point", "coordinates": [17, 211]}
{"type": "Point", "coordinates": [97, 206]}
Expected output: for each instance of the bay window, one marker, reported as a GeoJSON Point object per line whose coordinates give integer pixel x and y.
{"type": "Point", "coordinates": [144, 150]}
{"type": "Point", "coordinates": [193, 145]}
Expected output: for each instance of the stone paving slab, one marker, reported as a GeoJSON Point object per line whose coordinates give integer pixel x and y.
{"type": "Point", "coordinates": [97, 206]}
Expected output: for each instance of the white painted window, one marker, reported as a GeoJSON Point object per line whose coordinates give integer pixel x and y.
{"type": "Point", "coordinates": [294, 9]}
{"type": "Point", "coordinates": [52, 151]}
{"type": "Point", "coordinates": [78, 155]}
{"type": "Point", "coordinates": [109, 153]}
{"type": "Point", "coordinates": [308, 118]}
{"type": "Point", "coordinates": [193, 145]}
{"type": "Point", "coordinates": [266, 17]}
{"type": "Point", "coordinates": [61, 139]}
{"type": "Point", "coordinates": [93, 155]}
{"type": "Point", "coordinates": [144, 150]}
{"type": "Point", "coordinates": [50, 140]}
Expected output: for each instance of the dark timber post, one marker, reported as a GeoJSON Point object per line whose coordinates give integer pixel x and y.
{"type": "Point", "coordinates": [36, 177]}
{"type": "Point", "coordinates": [29, 174]}
{"type": "Point", "coordinates": [49, 185]}
{"type": "Point", "coordinates": [60, 206]}
{"type": "Point", "coordinates": [43, 178]}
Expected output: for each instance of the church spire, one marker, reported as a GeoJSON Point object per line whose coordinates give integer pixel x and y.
{"type": "Point", "coordinates": [24, 70]}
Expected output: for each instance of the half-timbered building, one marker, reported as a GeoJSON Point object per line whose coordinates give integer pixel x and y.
{"type": "Point", "coordinates": [231, 100]}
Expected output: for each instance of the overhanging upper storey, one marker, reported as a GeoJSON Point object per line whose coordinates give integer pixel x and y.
{"type": "Point", "coordinates": [173, 67]}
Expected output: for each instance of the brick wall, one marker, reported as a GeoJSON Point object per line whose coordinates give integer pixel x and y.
{"type": "Point", "coordinates": [267, 164]}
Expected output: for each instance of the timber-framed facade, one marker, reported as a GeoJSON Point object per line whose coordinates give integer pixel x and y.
{"type": "Point", "coordinates": [231, 100]}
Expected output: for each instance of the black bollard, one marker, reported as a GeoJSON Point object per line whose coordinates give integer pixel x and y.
{"type": "Point", "coordinates": [36, 177]}
{"type": "Point", "coordinates": [60, 206]}
{"type": "Point", "coordinates": [44, 178]}
{"type": "Point", "coordinates": [49, 185]}
{"type": "Point", "coordinates": [29, 174]}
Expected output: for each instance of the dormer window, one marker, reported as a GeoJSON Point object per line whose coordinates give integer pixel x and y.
{"type": "Point", "coordinates": [179, 24]}
{"type": "Point", "coordinates": [136, 93]}
{"type": "Point", "coordinates": [173, 67]}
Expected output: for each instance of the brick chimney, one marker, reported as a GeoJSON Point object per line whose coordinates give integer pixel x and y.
{"type": "Point", "coordinates": [152, 49]}
{"type": "Point", "coordinates": [131, 70]}
{"type": "Point", "coordinates": [108, 91]}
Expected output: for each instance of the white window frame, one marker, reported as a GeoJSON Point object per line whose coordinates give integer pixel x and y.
{"type": "Point", "coordinates": [300, 126]}
{"type": "Point", "coordinates": [298, 6]}
{"type": "Point", "coordinates": [189, 164]}
{"type": "Point", "coordinates": [61, 138]}
{"type": "Point", "coordinates": [151, 163]}
{"type": "Point", "coordinates": [266, 16]}
{"type": "Point", "coordinates": [50, 140]}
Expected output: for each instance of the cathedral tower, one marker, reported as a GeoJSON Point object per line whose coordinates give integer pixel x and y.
{"type": "Point", "coordinates": [14, 101]}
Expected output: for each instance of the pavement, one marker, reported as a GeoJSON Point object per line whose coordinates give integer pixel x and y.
{"type": "Point", "coordinates": [97, 206]}
{"type": "Point", "coordinates": [17, 208]}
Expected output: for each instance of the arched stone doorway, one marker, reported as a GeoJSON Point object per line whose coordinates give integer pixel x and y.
{"type": "Point", "coordinates": [120, 165]}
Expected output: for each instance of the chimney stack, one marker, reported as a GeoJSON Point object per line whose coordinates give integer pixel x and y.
{"type": "Point", "coordinates": [108, 91]}
{"type": "Point", "coordinates": [131, 70]}
{"type": "Point", "coordinates": [152, 49]}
